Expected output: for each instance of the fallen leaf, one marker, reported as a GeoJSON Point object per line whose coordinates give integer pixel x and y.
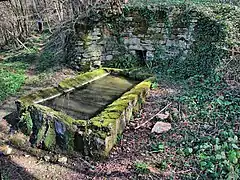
{"type": "Point", "coordinates": [153, 170]}
{"type": "Point", "coordinates": [5, 150]}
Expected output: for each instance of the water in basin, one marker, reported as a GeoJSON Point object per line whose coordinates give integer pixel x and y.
{"type": "Point", "coordinates": [87, 101]}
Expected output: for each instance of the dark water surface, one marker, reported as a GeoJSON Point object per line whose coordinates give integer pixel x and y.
{"type": "Point", "coordinates": [89, 100]}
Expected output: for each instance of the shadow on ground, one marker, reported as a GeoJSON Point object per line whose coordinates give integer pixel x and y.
{"type": "Point", "coordinates": [10, 170]}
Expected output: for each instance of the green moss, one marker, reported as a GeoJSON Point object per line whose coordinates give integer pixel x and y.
{"type": "Point", "coordinates": [81, 79]}
{"type": "Point", "coordinates": [81, 123]}
{"type": "Point", "coordinates": [110, 115]}
{"type": "Point", "coordinates": [64, 118]}
{"type": "Point", "coordinates": [39, 95]}
{"type": "Point", "coordinates": [46, 131]}
{"type": "Point", "coordinates": [70, 137]}
{"type": "Point", "coordinates": [101, 134]}
{"type": "Point", "coordinates": [114, 110]}
{"type": "Point", "coordinates": [50, 138]}
{"type": "Point", "coordinates": [25, 123]}
{"type": "Point", "coordinates": [114, 70]}
{"type": "Point", "coordinates": [40, 135]}
{"type": "Point", "coordinates": [109, 123]}
{"type": "Point", "coordinates": [99, 124]}
{"type": "Point", "coordinates": [86, 38]}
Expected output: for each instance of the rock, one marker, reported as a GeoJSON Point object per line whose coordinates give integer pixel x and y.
{"type": "Point", "coordinates": [148, 47]}
{"type": "Point", "coordinates": [161, 127]}
{"type": "Point", "coordinates": [109, 57]}
{"type": "Point", "coordinates": [27, 155]}
{"type": "Point", "coordinates": [108, 173]}
{"type": "Point", "coordinates": [163, 116]}
{"type": "Point", "coordinates": [46, 158]}
{"type": "Point", "coordinates": [136, 47]}
{"type": "Point", "coordinates": [134, 41]}
{"type": "Point", "coordinates": [5, 150]}
{"type": "Point", "coordinates": [62, 160]}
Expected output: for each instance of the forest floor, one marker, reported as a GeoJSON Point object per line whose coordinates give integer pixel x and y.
{"type": "Point", "coordinates": [132, 158]}
{"type": "Point", "coordinates": [203, 142]}
{"type": "Point", "coordinates": [191, 149]}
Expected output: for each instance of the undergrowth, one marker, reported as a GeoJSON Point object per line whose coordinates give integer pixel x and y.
{"type": "Point", "coordinates": [12, 74]}
{"type": "Point", "coordinates": [211, 138]}
{"type": "Point", "coordinates": [14, 65]}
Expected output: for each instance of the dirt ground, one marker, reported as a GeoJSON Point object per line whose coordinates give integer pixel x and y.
{"type": "Point", "coordinates": [134, 147]}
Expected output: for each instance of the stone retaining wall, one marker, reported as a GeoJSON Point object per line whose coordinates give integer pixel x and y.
{"type": "Point", "coordinates": [134, 35]}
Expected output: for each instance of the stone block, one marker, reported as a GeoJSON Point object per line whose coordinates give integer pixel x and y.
{"type": "Point", "coordinates": [135, 47]}
{"type": "Point", "coordinates": [94, 38]}
{"type": "Point", "coordinates": [129, 19]}
{"type": "Point", "coordinates": [133, 41]}
{"type": "Point", "coordinates": [112, 121]}
{"type": "Point", "coordinates": [146, 41]}
{"type": "Point", "coordinates": [109, 57]}
{"type": "Point", "coordinates": [182, 44]}
{"type": "Point", "coordinates": [148, 47]}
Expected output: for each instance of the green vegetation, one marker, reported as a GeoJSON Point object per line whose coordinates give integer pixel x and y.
{"type": "Point", "coordinates": [124, 62]}
{"type": "Point", "coordinates": [204, 139]}
{"type": "Point", "coordinates": [4, 175]}
{"type": "Point", "coordinates": [11, 78]}
{"type": "Point", "coordinates": [212, 142]}
{"type": "Point", "coordinates": [27, 66]}
{"type": "Point", "coordinates": [14, 65]}
{"type": "Point", "coordinates": [208, 108]}
{"type": "Point", "coordinates": [141, 167]}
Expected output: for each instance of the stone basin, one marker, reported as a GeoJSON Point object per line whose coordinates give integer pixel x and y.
{"type": "Point", "coordinates": [85, 113]}
{"type": "Point", "coordinates": [87, 101]}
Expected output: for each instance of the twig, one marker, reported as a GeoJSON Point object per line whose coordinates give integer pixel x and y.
{"type": "Point", "coordinates": [87, 163]}
{"type": "Point", "coordinates": [18, 40]}
{"type": "Point", "coordinates": [153, 116]}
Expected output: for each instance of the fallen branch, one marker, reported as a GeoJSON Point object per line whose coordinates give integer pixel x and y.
{"type": "Point", "coordinates": [18, 40]}
{"type": "Point", "coordinates": [87, 163]}
{"type": "Point", "coordinates": [153, 116]}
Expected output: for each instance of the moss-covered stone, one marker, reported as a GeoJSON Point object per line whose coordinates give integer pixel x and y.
{"type": "Point", "coordinates": [40, 95]}
{"type": "Point", "coordinates": [108, 124]}
{"type": "Point", "coordinates": [50, 137]}
{"type": "Point", "coordinates": [51, 128]}
{"type": "Point", "coordinates": [82, 79]}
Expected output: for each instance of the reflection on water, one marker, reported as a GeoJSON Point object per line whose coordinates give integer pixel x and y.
{"type": "Point", "coordinates": [89, 100]}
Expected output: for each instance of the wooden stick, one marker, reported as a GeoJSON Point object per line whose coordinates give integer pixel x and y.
{"type": "Point", "coordinates": [18, 40]}
{"type": "Point", "coordinates": [153, 116]}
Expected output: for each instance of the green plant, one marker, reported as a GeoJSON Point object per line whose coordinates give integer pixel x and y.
{"type": "Point", "coordinates": [124, 62]}
{"type": "Point", "coordinates": [215, 109]}
{"type": "Point", "coordinates": [158, 147]}
{"type": "Point", "coordinates": [154, 85]}
{"type": "Point", "coordinates": [46, 61]}
{"type": "Point", "coordinates": [141, 167]}
{"type": "Point", "coordinates": [10, 80]}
